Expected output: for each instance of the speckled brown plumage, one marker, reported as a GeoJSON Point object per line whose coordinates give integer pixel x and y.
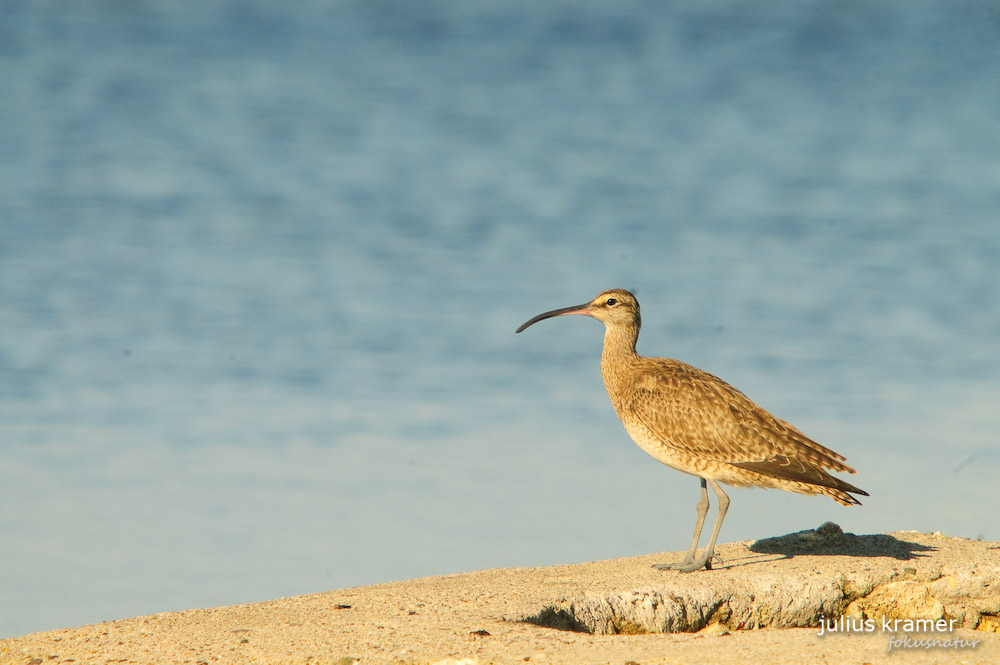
{"type": "Point", "coordinates": [699, 424]}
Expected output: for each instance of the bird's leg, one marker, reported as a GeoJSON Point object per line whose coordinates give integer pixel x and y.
{"type": "Point", "coordinates": [702, 511]}
{"type": "Point", "coordinates": [709, 552]}
{"type": "Point", "coordinates": [705, 560]}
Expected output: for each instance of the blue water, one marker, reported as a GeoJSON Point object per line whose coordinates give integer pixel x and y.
{"type": "Point", "coordinates": [261, 265]}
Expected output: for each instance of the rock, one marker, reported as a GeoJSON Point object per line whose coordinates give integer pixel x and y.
{"type": "Point", "coordinates": [745, 597]}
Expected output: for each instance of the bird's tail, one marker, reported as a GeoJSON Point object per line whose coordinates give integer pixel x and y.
{"type": "Point", "coordinates": [795, 475]}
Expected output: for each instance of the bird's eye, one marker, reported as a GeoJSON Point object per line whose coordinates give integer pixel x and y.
{"type": "Point", "coordinates": [611, 301]}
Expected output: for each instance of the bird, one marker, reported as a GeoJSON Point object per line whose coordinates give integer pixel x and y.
{"type": "Point", "coordinates": [697, 423]}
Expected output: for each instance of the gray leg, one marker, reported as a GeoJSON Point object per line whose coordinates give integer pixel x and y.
{"type": "Point", "coordinates": [702, 512]}
{"type": "Point", "coordinates": [705, 560]}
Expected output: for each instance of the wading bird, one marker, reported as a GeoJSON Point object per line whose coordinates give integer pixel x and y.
{"type": "Point", "coordinates": [697, 423]}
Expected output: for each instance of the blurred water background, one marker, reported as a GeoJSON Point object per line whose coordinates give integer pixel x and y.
{"type": "Point", "coordinates": [261, 265]}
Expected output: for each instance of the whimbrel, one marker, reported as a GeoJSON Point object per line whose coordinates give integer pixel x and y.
{"type": "Point", "coordinates": [697, 423]}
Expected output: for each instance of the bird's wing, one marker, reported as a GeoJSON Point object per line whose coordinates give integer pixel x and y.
{"type": "Point", "coordinates": [702, 415]}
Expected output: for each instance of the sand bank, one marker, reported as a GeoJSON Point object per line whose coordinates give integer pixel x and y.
{"type": "Point", "coordinates": [764, 603]}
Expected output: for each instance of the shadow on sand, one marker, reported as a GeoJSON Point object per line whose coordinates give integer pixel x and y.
{"type": "Point", "coordinates": [830, 539]}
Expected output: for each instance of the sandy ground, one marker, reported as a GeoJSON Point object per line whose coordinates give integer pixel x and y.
{"type": "Point", "coordinates": [479, 617]}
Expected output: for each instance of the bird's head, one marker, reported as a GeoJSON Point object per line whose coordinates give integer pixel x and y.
{"type": "Point", "coordinates": [614, 307]}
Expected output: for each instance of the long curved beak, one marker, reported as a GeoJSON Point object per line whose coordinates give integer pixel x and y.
{"type": "Point", "coordinates": [576, 309]}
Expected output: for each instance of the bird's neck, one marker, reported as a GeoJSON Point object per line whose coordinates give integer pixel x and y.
{"type": "Point", "coordinates": [617, 357]}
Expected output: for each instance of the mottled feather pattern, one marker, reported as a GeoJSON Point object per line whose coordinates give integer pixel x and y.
{"type": "Point", "coordinates": [698, 413]}
{"type": "Point", "coordinates": [698, 423]}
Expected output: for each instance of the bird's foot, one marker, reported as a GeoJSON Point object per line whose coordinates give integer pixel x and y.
{"type": "Point", "coordinates": [689, 564]}
{"type": "Point", "coordinates": [681, 566]}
